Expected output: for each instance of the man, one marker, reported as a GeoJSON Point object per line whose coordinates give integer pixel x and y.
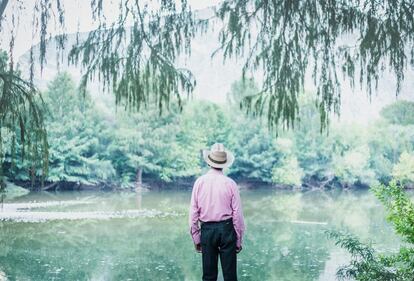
{"type": "Point", "coordinates": [215, 202]}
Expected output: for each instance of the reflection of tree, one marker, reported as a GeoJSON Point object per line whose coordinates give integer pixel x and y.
{"type": "Point", "coordinates": [138, 198]}
{"type": "Point", "coordinates": [305, 252]}
{"type": "Point", "coordinates": [286, 250]}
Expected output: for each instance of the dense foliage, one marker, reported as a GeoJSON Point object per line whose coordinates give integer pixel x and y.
{"type": "Point", "coordinates": [281, 40]}
{"type": "Point", "coordinates": [366, 264]}
{"type": "Point", "coordinates": [400, 113]}
{"type": "Point", "coordinates": [93, 144]}
{"type": "Point", "coordinates": [21, 121]}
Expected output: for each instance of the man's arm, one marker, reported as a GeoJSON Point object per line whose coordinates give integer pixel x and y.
{"type": "Point", "coordinates": [194, 214]}
{"type": "Point", "coordinates": [238, 219]}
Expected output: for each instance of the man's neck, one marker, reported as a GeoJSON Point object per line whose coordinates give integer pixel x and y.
{"type": "Point", "coordinates": [213, 170]}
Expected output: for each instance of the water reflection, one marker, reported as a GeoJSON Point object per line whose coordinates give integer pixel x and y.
{"type": "Point", "coordinates": [284, 240]}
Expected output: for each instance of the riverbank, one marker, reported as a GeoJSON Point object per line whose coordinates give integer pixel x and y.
{"type": "Point", "coordinates": [177, 184]}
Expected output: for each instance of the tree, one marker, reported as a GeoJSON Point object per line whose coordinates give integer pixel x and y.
{"type": "Point", "coordinates": [287, 171]}
{"type": "Point", "coordinates": [353, 166]}
{"type": "Point", "coordinates": [202, 124]}
{"type": "Point", "coordinates": [21, 118]}
{"type": "Point", "coordinates": [400, 112]}
{"type": "Point", "coordinates": [255, 149]}
{"type": "Point", "coordinates": [314, 150]}
{"type": "Point", "coordinates": [150, 144]}
{"type": "Point", "coordinates": [241, 89]}
{"type": "Point", "coordinates": [259, 156]}
{"type": "Point", "coordinates": [404, 169]}
{"type": "Point", "coordinates": [383, 141]}
{"type": "Point", "coordinates": [77, 137]}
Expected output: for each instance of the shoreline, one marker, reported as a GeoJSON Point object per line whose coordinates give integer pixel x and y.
{"type": "Point", "coordinates": [178, 184]}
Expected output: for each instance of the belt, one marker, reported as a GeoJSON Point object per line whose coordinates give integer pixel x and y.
{"type": "Point", "coordinates": [216, 222]}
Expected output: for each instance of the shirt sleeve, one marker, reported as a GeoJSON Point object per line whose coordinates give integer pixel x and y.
{"type": "Point", "coordinates": [194, 214]}
{"type": "Point", "coordinates": [238, 219]}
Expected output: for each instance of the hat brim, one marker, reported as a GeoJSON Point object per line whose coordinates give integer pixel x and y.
{"type": "Point", "coordinates": [229, 162]}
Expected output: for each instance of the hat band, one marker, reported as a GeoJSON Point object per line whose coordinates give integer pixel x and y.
{"type": "Point", "coordinates": [216, 161]}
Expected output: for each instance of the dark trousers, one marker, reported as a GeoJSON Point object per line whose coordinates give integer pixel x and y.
{"type": "Point", "coordinates": [219, 238]}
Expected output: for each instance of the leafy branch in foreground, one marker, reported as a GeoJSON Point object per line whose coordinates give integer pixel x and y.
{"type": "Point", "coordinates": [21, 116]}
{"type": "Point", "coordinates": [366, 264]}
{"type": "Point", "coordinates": [400, 208]}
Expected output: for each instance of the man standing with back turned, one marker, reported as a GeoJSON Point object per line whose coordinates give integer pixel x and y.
{"type": "Point", "coordinates": [215, 202]}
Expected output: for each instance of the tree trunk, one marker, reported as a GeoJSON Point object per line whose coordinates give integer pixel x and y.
{"type": "Point", "coordinates": [2, 195]}
{"type": "Point", "coordinates": [50, 186]}
{"type": "Point", "coordinates": [32, 177]}
{"type": "Point", "coordinates": [138, 179]}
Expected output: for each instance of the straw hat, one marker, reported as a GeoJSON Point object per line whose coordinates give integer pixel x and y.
{"type": "Point", "coordinates": [218, 156]}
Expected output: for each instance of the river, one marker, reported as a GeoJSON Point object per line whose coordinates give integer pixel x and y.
{"type": "Point", "coordinates": [144, 236]}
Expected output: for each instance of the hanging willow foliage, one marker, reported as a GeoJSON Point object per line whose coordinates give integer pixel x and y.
{"type": "Point", "coordinates": [21, 116]}
{"type": "Point", "coordinates": [285, 39]}
{"type": "Point", "coordinates": [138, 62]}
{"type": "Point", "coordinates": [21, 105]}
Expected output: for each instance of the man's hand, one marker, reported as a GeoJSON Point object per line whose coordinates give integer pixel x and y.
{"type": "Point", "coordinates": [198, 247]}
{"type": "Point", "coordinates": [238, 249]}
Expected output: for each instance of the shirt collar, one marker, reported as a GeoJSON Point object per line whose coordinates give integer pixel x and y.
{"type": "Point", "coordinates": [215, 171]}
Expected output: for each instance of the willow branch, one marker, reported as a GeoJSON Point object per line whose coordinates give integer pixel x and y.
{"type": "Point", "coordinates": [3, 6]}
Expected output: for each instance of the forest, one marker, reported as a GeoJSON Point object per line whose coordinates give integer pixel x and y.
{"type": "Point", "coordinates": [108, 147]}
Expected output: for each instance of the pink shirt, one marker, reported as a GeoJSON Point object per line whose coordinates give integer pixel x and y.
{"type": "Point", "coordinates": [215, 197]}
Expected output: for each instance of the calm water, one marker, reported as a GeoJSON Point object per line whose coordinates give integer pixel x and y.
{"type": "Point", "coordinates": [127, 236]}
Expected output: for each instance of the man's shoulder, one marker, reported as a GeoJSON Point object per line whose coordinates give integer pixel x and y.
{"type": "Point", "coordinates": [199, 179]}
{"type": "Point", "coordinates": [229, 179]}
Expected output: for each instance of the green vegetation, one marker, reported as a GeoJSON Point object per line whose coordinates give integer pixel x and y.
{"type": "Point", "coordinates": [404, 169]}
{"type": "Point", "coordinates": [94, 144]}
{"type": "Point", "coordinates": [400, 113]}
{"type": "Point", "coordinates": [283, 41]}
{"type": "Point", "coordinates": [366, 264]}
{"type": "Point", "coordinates": [21, 121]}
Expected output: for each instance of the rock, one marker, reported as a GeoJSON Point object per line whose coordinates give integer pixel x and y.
{"type": "Point", "coordinates": [14, 191]}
